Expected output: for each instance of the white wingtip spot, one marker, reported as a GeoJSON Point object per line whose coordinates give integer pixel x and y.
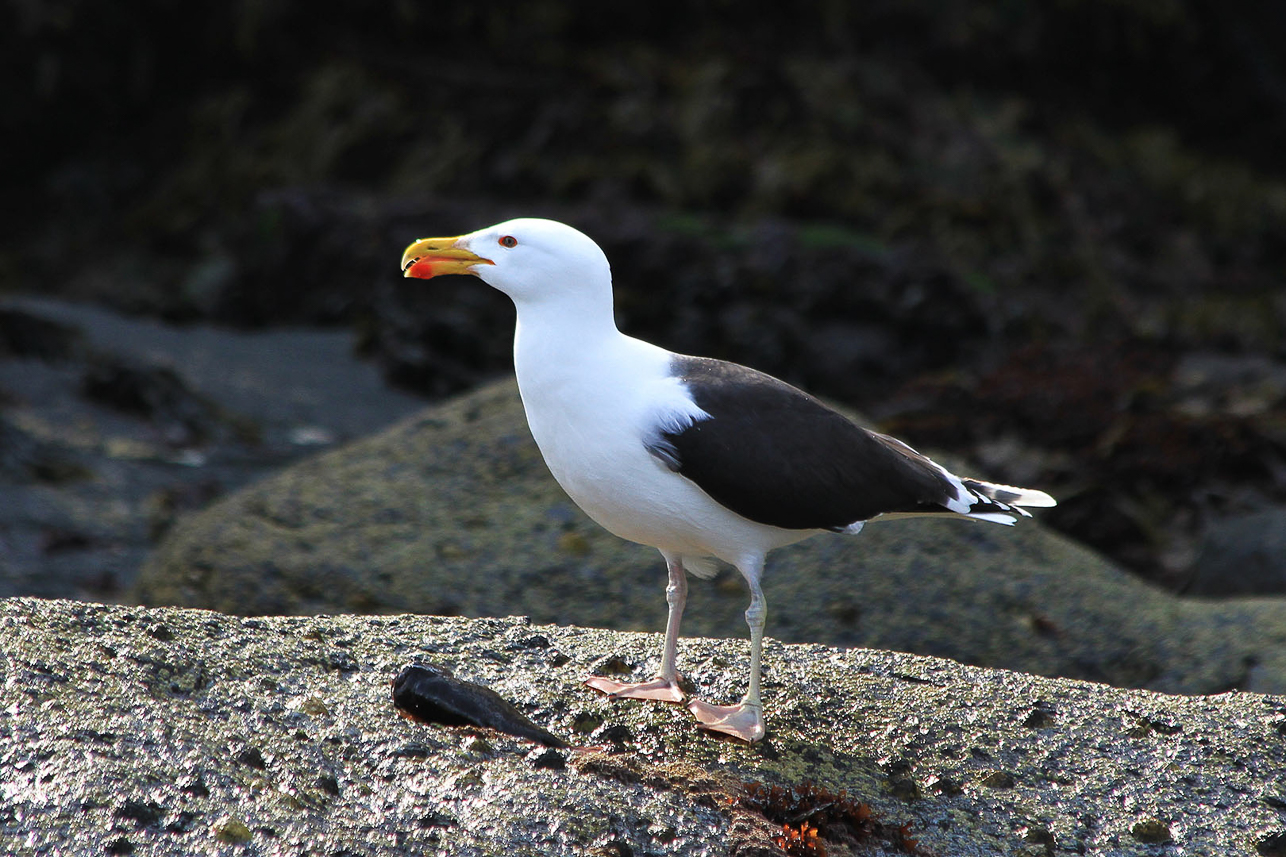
{"type": "Point", "coordinates": [1032, 497]}
{"type": "Point", "coordinates": [994, 517]}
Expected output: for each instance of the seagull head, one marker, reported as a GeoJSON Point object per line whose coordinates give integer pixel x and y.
{"type": "Point", "coordinates": [529, 259]}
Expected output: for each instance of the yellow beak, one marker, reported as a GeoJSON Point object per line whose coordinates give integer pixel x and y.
{"type": "Point", "coordinates": [432, 257]}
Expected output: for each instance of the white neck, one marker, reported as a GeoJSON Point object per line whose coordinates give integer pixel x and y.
{"type": "Point", "coordinates": [562, 337]}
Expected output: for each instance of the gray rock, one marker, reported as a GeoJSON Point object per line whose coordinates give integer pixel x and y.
{"type": "Point", "coordinates": [1245, 555]}
{"type": "Point", "coordinates": [109, 425]}
{"type": "Point", "coordinates": [285, 381]}
{"type": "Point", "coordinates": [454, 512]}
{"type": "Point", "coordinates": [184, 732]}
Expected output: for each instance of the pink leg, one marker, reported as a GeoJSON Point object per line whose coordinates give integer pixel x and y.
{"type": "Point", "coordinates": [744, 720]}
{"type": "Point", "coordinates": [664, 687]}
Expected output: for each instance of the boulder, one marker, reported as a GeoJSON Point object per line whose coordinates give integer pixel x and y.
{"type": "Point", "coordinates": [185, 732]}
{"type": "Point", "coordinates": [452, 511]}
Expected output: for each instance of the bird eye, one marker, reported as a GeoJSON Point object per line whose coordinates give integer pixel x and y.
{"type": "Point", "coordinates": [509, 241]}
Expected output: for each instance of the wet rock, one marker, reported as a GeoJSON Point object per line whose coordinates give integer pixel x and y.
{"type": "Point", "coordinates": [614, 733]}
{"type": "Point", "coordinates": [1042, 716]}
{"type": "Point", "coordinates": [231, 830]}
{"type": "Point", "coordinates": [549, 759]}
{"type": "Point", "coordinates": [1151, 830]}
{"type": "Point", "coordinates": [998, 780]}
{"type": "Point", "coordinates": [359, 779]}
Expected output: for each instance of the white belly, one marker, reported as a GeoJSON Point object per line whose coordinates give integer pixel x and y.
{"type": "Point", "coordinates": [630, 493]}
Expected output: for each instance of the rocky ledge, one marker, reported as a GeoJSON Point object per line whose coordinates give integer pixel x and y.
{"type": "Point", "coordinates": [177, 731]}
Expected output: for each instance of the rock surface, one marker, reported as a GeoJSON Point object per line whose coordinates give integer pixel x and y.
{"type": "Point", "coordinates": [454, 512]}
{"type": "Point", "coordinates": [170, 731]}
{"type": "Point", "coordinates": [110, 426]}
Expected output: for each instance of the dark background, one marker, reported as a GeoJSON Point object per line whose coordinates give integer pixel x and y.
{"type": "Point", "coordinates": [1047, 238]}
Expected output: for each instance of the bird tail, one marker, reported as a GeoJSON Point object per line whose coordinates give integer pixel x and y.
{"type": "Point", "coordinates": [999, 503]}
{"type": "Point", "coordinates": [1009, 495]}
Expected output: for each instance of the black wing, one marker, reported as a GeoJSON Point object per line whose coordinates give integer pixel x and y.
{"type": "Point", "coordinates": [778, 456]}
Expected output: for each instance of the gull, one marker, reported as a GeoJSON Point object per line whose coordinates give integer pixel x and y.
{"type": "Point", "coordinates": [702, 459]}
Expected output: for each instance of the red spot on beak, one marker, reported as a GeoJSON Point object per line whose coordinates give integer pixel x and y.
{"type": "Point", "coordinates": [433, 257]}
{"type": "Point", "coordinates": [425, 268]}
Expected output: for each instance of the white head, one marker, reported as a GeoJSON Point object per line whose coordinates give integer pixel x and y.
{"type": "Point", "coordinates": [533, 261]}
